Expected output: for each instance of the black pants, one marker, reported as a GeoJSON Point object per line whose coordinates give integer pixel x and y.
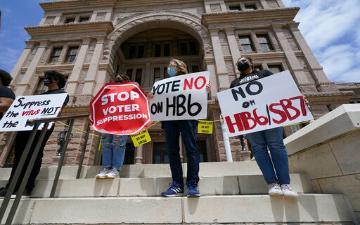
{"type": "Point", "coordinates": [21, 140]}
{"type": "Point", "coordinates": [187, 128]}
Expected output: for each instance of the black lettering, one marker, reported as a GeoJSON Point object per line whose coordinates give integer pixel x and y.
{"type": "Point", "coordinates": [175, 86]}
{"type": "Point", "coordinates": [181, 109]}
{"type": "Point", "coordinates": [237, 92]}
{"type": "Point", "coordinates": [173, 106]}
{"type": "Point", "coordinates": [197, 106]}
{"type": "Point", "coordinates": [259, 88]}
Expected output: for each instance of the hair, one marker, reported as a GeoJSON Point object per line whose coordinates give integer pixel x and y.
{"type": "Point", "coordinates": [54, 75]}
{"type": "Point", "coordinates": [251, 62]}
{"type": "Point", "coordinates": [5, 77]}
{"type": "Point", "coordinates": [181, 66]}
{"type": "Point", "coordinates": [121, 78]}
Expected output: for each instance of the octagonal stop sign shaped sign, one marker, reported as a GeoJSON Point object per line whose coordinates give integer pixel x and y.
{"type": "Point", "coordinates": [120, 108]}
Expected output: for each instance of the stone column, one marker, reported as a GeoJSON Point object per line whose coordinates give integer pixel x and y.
{"type": "Point", "coordinates": [63, 54]}
{"type": "Point", "coordinates": [281, 4]}
{"type": "Point", "coordinates": [90, 79]}
{"type": "Point", "coordinates": [139, 155]}
{"type": "Point", "coordinates": [74, 77]}
{"type": "Point", "coordinates": [316, 68]}
{"type": "Point", "coordinates": [255, 42]}
{"type": "Point", "coordinates": [293, 62]}
{"type": "Point", "coordinates": [25, 54]}
{"type": "Point", "coordinates": [264, 4]}
{"type": "Point", "coordinates": [234, 47]}
{"type": "Point", "coordinates": [93, 16]}
{"type": "Point", "coordinates": [210, 66]}
{"type": "Point", "coordinates": [57, 19]}
{"type": "Point", "coordinates": [23, 87]}
{"type": "Point", "coordinates": [221, 70]}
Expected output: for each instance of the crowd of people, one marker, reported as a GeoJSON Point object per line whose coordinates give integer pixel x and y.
{"type": "Point", "coordinates": [268, 146]}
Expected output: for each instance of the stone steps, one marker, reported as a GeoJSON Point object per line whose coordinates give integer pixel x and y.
{"type": "Point", "coordinates": [307, 208]}
{"type": "Point", "coordinates": [132, 187]}
{"type": "Point", "coordinates": [211, 169]}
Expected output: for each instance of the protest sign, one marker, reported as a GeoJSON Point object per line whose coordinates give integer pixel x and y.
{"type": "Point", "coordinates": [263, 104]}
{"type": "Point", "coordinates": [205, 127]}
{"type": "Point", "coordinates": [180, 98]}
{"type": "Point", "coordinates": [26, 108]}
{"type": "Point", "coordinates": [141, 138]}
{"type": "Point", "coordinates": [120, 108]}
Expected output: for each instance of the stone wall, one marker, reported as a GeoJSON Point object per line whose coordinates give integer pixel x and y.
{"type": "Point", "coordinates": [327, 151]}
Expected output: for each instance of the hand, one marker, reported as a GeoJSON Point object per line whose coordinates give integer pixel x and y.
{"type": "Point", "coordinates": [90, 119]}
{"type": "Point", "coordinates": [307, 102]}
{"type": "Point", "coordinates": [208, 87]}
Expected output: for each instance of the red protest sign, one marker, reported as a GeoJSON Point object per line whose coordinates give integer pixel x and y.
{"type": "Point", "coordinates": [120, 108]}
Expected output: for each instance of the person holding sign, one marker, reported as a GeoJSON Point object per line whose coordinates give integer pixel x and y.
{"type": "Point", "coordinates": [113, 148]}
{"type": "Point", "coordinates": [188, 129]}
{"type": "Point", "coordinates": [275, 168]}
{"type": "Point", "coordinates": [55, 83]}
{"type": "Point", "coordinates": [7, 96]}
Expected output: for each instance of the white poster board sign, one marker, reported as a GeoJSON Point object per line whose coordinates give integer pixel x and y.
{"type": "Point", "coordinates": [180, 98]}
{"type": "Point", "coordinates": [270, 102]}
{"type": "Point", "coordinates": [25, 108]}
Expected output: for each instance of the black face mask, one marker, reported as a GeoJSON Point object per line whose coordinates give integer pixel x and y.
{"type": "Point", "coordinates": [47, 81]}
{"type": "Point", "coordinates": [243, 65]}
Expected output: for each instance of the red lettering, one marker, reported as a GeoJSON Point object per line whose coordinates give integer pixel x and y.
{"type": "Point", "coordinates": [302, 104]}
{"type": "Point", "coordinates": [231, 125]}
{"type": "Point", "coordinates": [288, 108]}
{"type": "Point", "coordinates": [246, 119]}
{"type": "Point", "coordinates": [281, 113]}
{"type": "Point", "coordinates": [261, 120]}
{"type": "Point", "coordinates": [188, 84]}
{"type": "Point", "coordinates": [202, 84]}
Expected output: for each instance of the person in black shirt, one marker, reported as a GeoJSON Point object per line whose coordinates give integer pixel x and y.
{"type": "Point", "coordinates": [275, 168]}
{"type": "Point", "coordinates": [7, 96]}
{"type": "Point", "coordinates": [55, 82]}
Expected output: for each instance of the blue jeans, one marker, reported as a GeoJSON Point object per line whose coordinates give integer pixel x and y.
{"type": "Point", "coordinates": [276, 168]}
{"type": "Point", "coordinates": [113, 150]}
{"type": "Point", "coordinates": [187, 128]}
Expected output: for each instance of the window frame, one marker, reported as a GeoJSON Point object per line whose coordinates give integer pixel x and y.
{"type": "Point", "coordinates": [52, 56]}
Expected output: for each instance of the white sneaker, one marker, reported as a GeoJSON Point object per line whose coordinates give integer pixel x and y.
{"type": "Point", "coordinates": [275, 190]}
{"type": "Point", "coordinates": [102, 173]}
{"type": "Point", "coordinates": [113, 173]}
{"type": "Point", "coordinates": [287, 191]}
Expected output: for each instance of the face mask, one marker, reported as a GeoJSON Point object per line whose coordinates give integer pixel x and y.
{"type": "Point", "coordinates": [171, 71]}
{"type": "Point", "coordinates": [46, 81]}
{"type": "Point", "coordinates": [243, 65]}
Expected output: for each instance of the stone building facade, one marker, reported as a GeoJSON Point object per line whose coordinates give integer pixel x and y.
{"type": "Point", "coordinates": [91, 40]}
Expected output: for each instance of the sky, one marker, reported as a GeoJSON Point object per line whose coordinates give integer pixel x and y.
{"type": "Point", "coordinates": [330, 27]}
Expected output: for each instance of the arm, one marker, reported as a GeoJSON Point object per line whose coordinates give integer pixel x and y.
{"type": "Point", "coordinates": [5, 103]}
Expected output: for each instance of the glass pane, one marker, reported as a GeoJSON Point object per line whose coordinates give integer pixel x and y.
{"type": "Point", "coordinates": [69, 20]}
{"type": "Point", "coordinates": [275, 68]}
{"type": "Point", "coordinates": [84, 19]}
{"type": "Point", "coordinates": [166, 49]}
{"type": "Point", "coordinates": [157, 50]}
{"type": "Point", "coordinates": [132, 52]}
{"type": "Point", "coordinates": [138, 76]}
{"type": "Point", "coordinates": [250, 6]}
{"type": "Point", "coordinates": [129, 73]}
{"type": "Point", "coordinates": [157, 74]}
{"type": "Point", "coordinates": [245, 40]}
{"type": "Point", "coordinates": [183, 48]}
{"type": "Point", "coordinates": [264, 47]}
{"type": "Point", "coordinates": [247, 48]}
{"type": "Point", "coordinates": [140, 51]}
{"type": "Point", "coordinates": [193, 48]}
{"type": "Point", "coordinates": [235, 7]}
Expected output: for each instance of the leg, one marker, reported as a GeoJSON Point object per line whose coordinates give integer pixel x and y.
{"type": "Point", "coordinates": [21, 140]}
{"type": "Point", "coordinates": [188, 133]}
{"type": "Point", "coordinates": [274, 139]}
{"type": "Point", "coordinates": [119, 145]}
{"type": "Point", "coordinates": [37, 165]}
{"type": "Point", "coordinates": [260, 151]}
{"type": "Point", "coordinates": [172, 143]}
{"type": "Point", "coordinates": [106, 142]}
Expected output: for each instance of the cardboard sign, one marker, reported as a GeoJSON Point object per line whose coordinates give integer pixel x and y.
{"type": "Point", "coordinates": [270, 102]}
{"type": "Point", "coordinates": [26, 108]}
{"type": "Point", "coordinates": [141, 138]}
{"type": "Point", "coordinates": [120, 108]}
{"type": "Point", "coordinates": [205, 127]}
{"type": "Point", "coordinates": [180, 98]}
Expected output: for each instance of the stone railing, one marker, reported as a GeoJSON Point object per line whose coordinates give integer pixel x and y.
{"type": "Point", "coordinates": [328, 152]}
